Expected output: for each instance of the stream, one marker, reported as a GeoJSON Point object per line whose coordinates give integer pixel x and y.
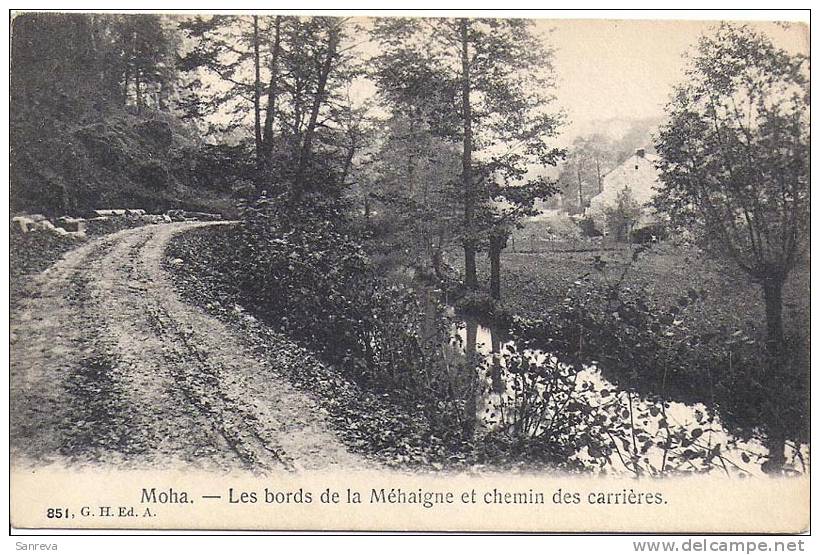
{"type": "Point", "coordinates": [497, 391]}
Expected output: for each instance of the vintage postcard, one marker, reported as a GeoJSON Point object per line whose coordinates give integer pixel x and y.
{"type": "Point", "coordinates": [448, 272]}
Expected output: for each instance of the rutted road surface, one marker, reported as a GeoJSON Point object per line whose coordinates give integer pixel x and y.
{"type": "Point", "coordinates": [109, 365]}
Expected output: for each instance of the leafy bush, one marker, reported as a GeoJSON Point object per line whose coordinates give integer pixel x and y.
{"type": "Point", "coordinates": [622, 217]}
{"type": "Point", "coordinates": [304, 272]}
{"type": "Point", "coordinates": [553, 412]}
{"type": "Point", "coordinates": [152, 174]}
{"type": "Point", "coordinates": [113, 159]}
{"type": "Point", "coordinates": [302, 269]}
{"type": "Point", "coordinates": [223, 167]}
{"type": "Point", "coordinates": [661, 353]}
{"type": "Point", "coordinates": [649, 234]}
{"type": "Point", "coordinates": [588, 228]}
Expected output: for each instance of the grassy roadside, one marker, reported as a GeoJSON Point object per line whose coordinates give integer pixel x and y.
{"type": "Point", "coordinates": [533, 282]}
{"type": "Point", "coordinates": [375, 425]}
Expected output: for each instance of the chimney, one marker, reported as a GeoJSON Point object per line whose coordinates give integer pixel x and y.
{"type": "Point", "coordinates": [640, 153]}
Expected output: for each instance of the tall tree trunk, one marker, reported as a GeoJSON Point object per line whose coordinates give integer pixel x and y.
{"type": "Point", "coordinates": [439, 239]}
{"type": "Point", "coordinates": [598, 173]}
{"type": "Point", "coordinates": [435, 262]}
{"type": "Point", "coordinates": [137, 82]}
{"type": "Point", "coordinates": [307, 144]}
{"type": "Point", "coordinates": [270, 110]}
{"type": "Point", "coordinates": [773, 298]}
{"type": "Point", "coordinates": [162, 97]}
{"type": "Point", "coordinates": [496, 376]}
{"type": "Point", "coordinates": [470, 280]}
{"type": "Point", "coordinates": [298, 87]}
{"type": "Point", "coordinates": [580, 190]}
{"type": "Point", "coordinates": [411, 159]}
{"type": "Point", "coordinates": [127, 79]}
{"type": "Point", "coordinates": [257, 94]}
{"type": "Point", "coordinates": [776, 433]}
{"type": "Point", "coordinates": [351, 151]}
{"type": "Point", "coordinates": [132, 55]}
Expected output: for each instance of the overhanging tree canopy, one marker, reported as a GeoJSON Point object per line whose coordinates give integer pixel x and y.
{"type": "Point", "coordinates": [735, 167]}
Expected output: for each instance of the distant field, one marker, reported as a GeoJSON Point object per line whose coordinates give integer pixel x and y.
{"type": "Point", "coordinates": [533, 281]}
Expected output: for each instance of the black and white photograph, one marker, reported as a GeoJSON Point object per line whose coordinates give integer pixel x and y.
{"type": "Point", "coordinates": [401, 272]}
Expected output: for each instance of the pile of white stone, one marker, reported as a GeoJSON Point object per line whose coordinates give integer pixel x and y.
{"type": "Point", "coordinates": [189, 216]}
{"type": "Point", "coordinates": [65, 226]}
{"type": "Point", "coordinates": [75, 228]}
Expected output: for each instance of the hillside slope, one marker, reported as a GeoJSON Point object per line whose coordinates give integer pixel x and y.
{"type": "Point", "coordinates": [110, 160]}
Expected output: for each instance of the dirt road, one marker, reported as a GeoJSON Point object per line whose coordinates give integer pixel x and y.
{"type": "Point", "coordinates": [109, 365]}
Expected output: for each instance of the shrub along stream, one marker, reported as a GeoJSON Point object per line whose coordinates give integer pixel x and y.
{"type": "Point", "coordinates": [303, 271]}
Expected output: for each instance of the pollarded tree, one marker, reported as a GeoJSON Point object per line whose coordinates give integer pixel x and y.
{"type": "Point", "coordinates": [734, 165]}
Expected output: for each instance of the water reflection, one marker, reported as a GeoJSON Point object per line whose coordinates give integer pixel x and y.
{"type": "Point", "coordinates": [494, 392]}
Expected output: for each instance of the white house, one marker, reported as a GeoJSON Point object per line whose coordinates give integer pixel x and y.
{"type": "Point", "coordinates": [637, 174]}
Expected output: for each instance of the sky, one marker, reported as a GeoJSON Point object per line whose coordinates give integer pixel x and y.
{"type": "Point", "coordinates": [627, 69]}
{"type": "Point", "coordinates": [610, 72]}
{"type": "Point", "coordinates": [618, 70]}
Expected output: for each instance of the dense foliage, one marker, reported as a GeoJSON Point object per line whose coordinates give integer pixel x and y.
{"type": "Point", "coordinates": [664, 352]}
{"type": "Point", "coordinates": [555, 412]}
{"type": "Point", "coordinates": [622, 217]}
{"type": "Point", "coordinates": [92, 124]}
{"type": "Point", "coordinates": [734, 166]}
{"type": "Point", "coordinates": [303, 270]}
{"type": "Point", "coordinates": [279, 85]}
{"type": "Point", "coordinates": [483, 84]}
